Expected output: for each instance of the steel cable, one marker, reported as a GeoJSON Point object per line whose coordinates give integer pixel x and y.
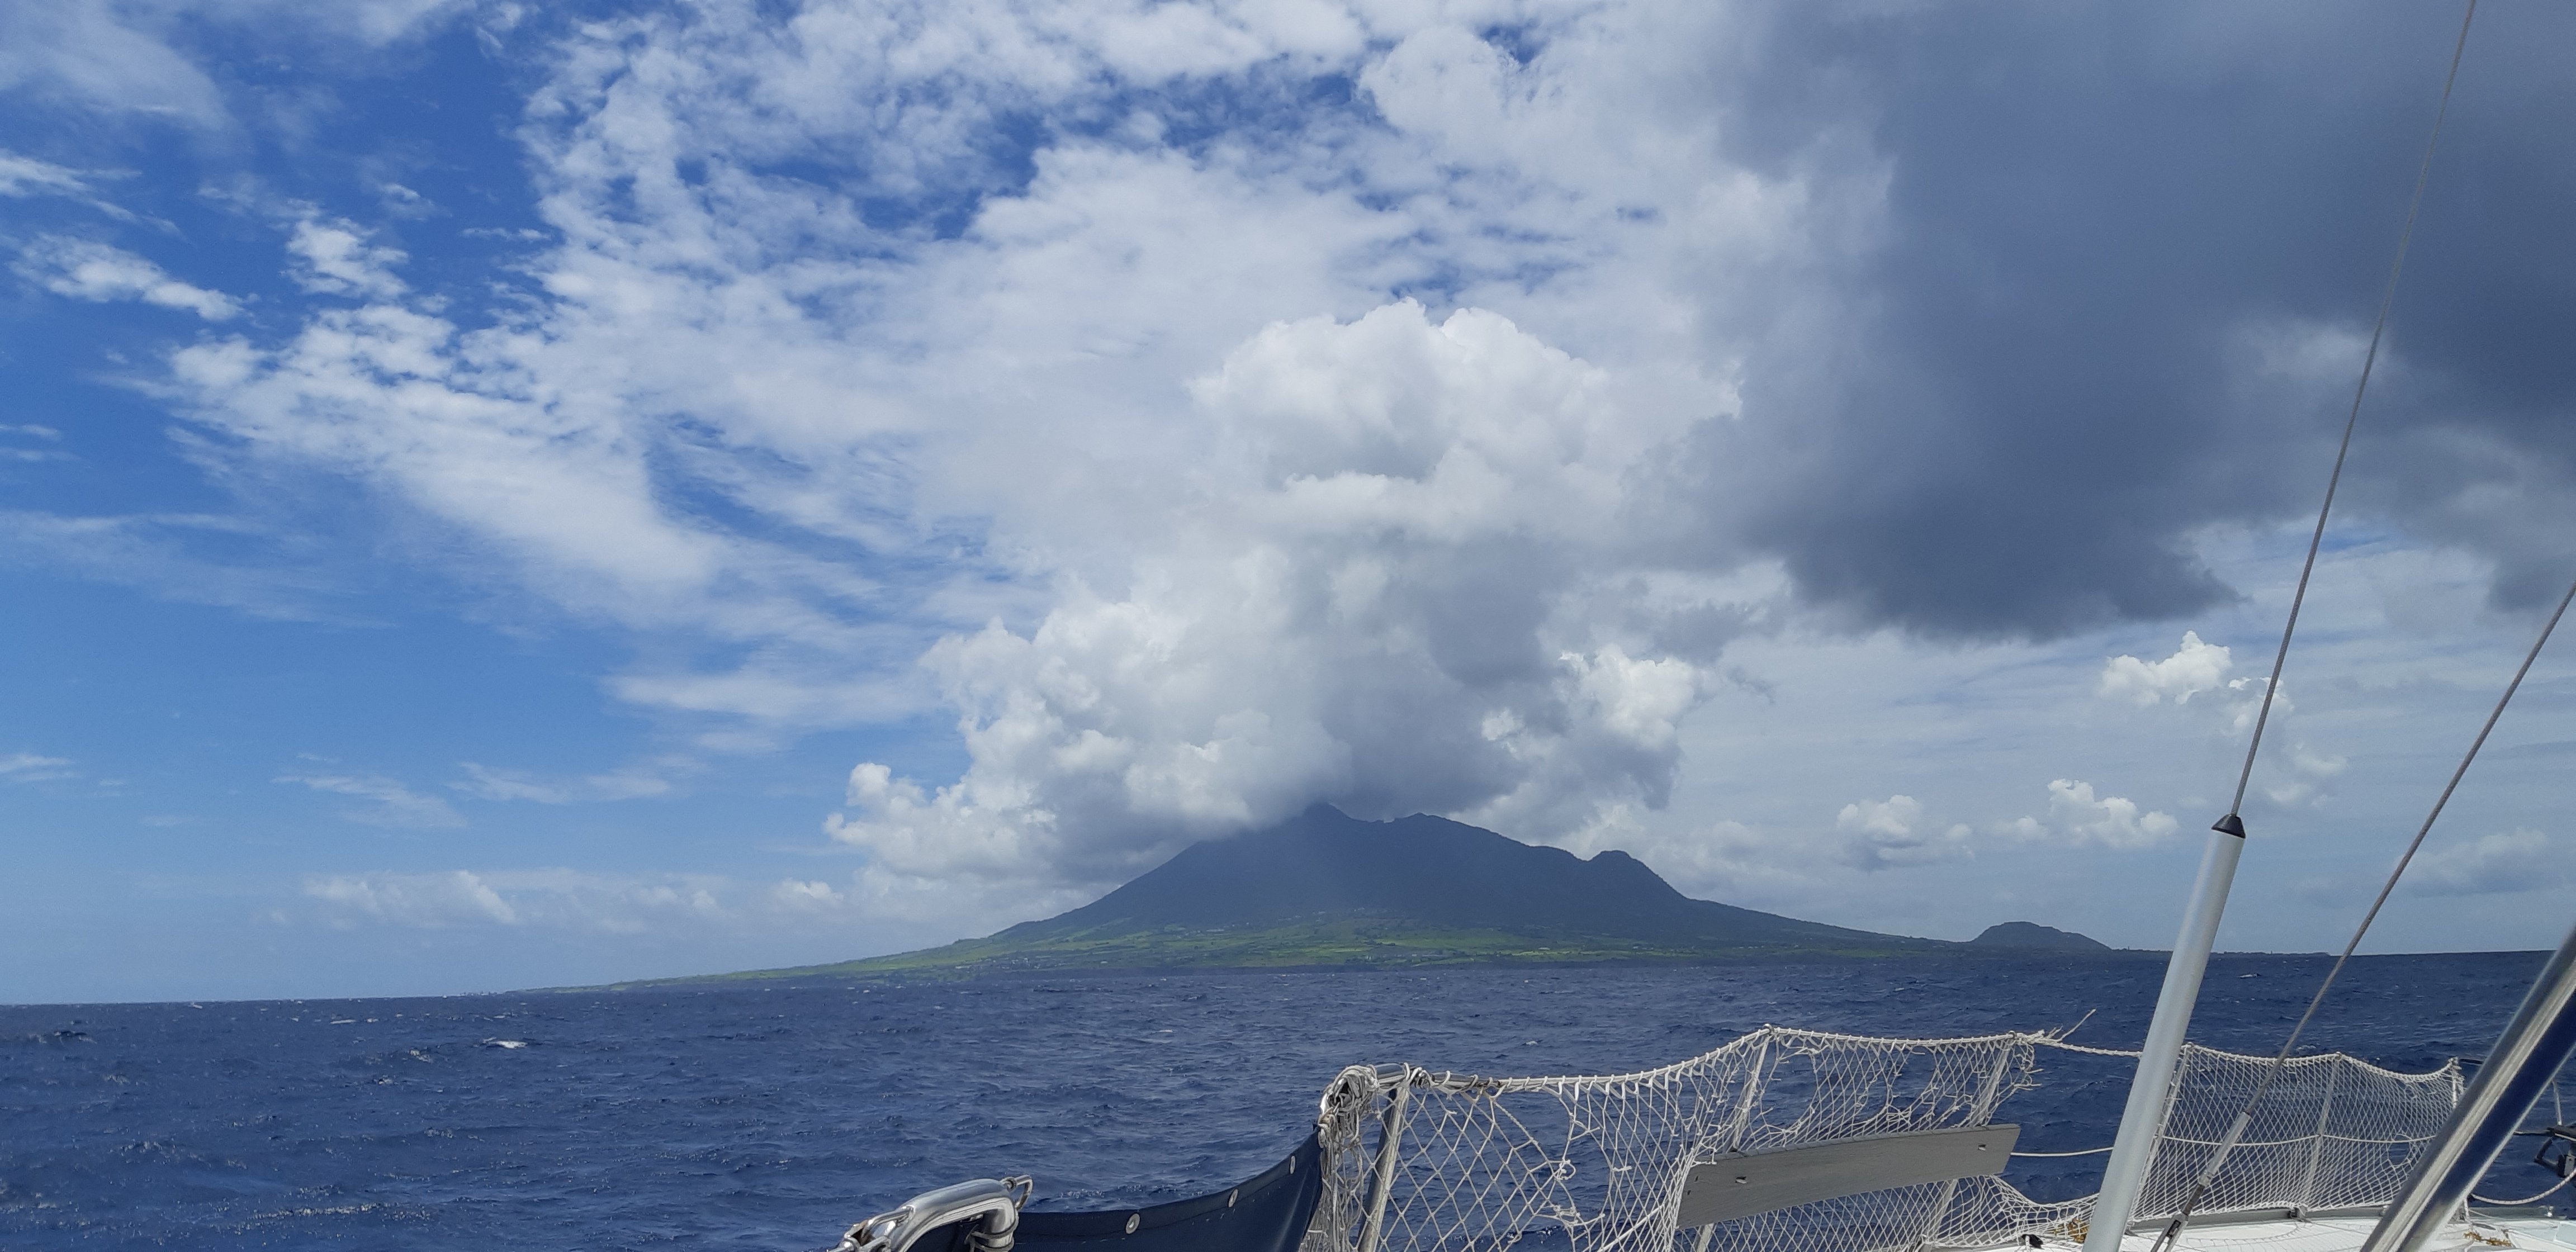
{"type": "Point", "coordinates": [2370, 359]}
{"type": "Point", "coordinates": [2289, 627]}
{"type": "Point", "coordinates": [2245, 1116]}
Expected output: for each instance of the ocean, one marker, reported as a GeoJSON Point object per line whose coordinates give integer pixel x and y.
{"type": "Point", "coordinates": [772, 1116]}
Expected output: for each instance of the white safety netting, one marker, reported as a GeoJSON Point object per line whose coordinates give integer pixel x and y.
{"type": "Point", "coordinates": [1417, 1161]}
{"type": "Point", "coordinates": [2331, 1132]}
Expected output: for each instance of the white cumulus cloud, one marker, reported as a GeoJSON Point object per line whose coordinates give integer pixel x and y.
{"type": "Point", "coordinates": [433, 900]}
{"type": "Point", "coordinates": [1894, 817]}
{"type": "Point", "coordinates": [335, 258]}
{"type": "Point", "coordinates": [807, 894]}
{"type": "Point", "coordinates": [1879, 834]}
{"type": "Point", "coordinates": [1375, 593]}
{"type": "Point", "coordinates": [2248, 704]}
{"type": "Point", "coordinates": [2077, 816]}
{"type": "Point", "coordinates": [2194, 667]}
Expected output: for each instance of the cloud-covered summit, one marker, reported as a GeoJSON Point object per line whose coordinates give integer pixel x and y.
{"type": "Point", "coordinates": [1392, 581]}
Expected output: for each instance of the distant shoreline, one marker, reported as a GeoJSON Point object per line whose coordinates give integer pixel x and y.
{"type": "Point", "coordinates": [712, 981]}
{"type": "Point", "coordinates": [1962, 955]}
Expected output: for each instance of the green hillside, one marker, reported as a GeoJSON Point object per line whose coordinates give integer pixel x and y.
{"type": "Point", "coordinates": [1325, 943]}
{"type": "Point", "coordinates": [1325, 890]}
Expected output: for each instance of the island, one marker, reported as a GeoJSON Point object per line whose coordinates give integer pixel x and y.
{"type": "Point", "coordinates": [1324, 890]}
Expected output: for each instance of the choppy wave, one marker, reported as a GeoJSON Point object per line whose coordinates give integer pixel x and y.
{"type": "Point", "coordinates": [772, 1117]}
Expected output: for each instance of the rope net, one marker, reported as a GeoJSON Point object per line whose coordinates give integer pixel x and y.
{"type": "Point", "coordinates": [2332, 1132]}
{"type": "Point", "coordinates": [1417, 1161]}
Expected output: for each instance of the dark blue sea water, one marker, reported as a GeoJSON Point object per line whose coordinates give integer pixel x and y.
{"type": "Point", "coordinates": [771, 1117]}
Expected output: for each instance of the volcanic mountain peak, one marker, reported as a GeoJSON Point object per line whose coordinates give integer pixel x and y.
{"type": "Point", "coordinates": [1427, 870]}
{"type": "Point", "coordinates": [1324, 889]}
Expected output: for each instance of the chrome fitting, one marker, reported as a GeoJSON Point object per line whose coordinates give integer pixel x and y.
{"type": "Point", "coordinates": [993, 1204]}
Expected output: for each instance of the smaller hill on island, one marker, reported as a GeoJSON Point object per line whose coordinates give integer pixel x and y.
{"type": "Point", "coordinates": [1327, 890]}
{"type": "Point", "coordinates": [2028, 935]}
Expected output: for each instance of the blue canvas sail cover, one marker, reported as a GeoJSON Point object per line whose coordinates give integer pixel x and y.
{"type": "Point", "coordinates": [1266, 1213]}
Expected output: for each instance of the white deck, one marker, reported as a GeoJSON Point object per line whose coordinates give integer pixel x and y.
{"type": "Point", "coordinates": [2344, 1234]}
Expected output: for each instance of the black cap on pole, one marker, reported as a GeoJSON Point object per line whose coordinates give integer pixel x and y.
{"type": "Point", "coordinates": [2231, 824]}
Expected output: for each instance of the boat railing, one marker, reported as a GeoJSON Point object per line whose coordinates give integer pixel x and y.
{"type": "Point", "coordinates": [1417, 1160]}
{"type": "Point", "coordinates": [1780, 1141]}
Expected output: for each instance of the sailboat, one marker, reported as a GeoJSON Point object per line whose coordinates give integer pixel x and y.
{"type": "Point", "coordinates": [1789, 1140]}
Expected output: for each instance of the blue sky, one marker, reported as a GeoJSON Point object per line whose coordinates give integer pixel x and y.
{"type": "Point", "coordinates": [495, 496]}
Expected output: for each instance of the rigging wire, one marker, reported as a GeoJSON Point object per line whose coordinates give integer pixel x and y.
{"type": "Point", "coordinates": [2245, 1115]}
{"type": "Point", "coordinates": [2232, 823]}
{"type": "Point", "coordinates": [2334, 479]}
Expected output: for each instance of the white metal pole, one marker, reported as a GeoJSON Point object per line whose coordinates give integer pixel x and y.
{"type": "Point", "coordinates": [1389, 1142]}
{"type": "Point", "coordinates": [2535, 1044]}
{"type": "Point", "coordinates": [2142, 1121]}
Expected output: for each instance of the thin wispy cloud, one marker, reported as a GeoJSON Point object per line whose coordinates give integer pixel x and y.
{"type": "Point", "coordinates": [488, 783]}
{"type": "Point", "coordinates": [170, 556]}
{"type": "Point", "coordinates": [2501, 863]}
{"type": "Point", "coordinates": [29, 767]}
{"type": "Point", "coordinates": [572, 900]}
{"type": "Point", "coordinates": [388, 803]}
{"type": "Point", "coordinates": [22, 176]}
{"type": "Point", "coordinates": [86, 270]}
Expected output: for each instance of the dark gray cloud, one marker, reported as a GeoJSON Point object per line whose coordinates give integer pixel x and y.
{"type": "Point", "coordinates": [2050, 370]}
